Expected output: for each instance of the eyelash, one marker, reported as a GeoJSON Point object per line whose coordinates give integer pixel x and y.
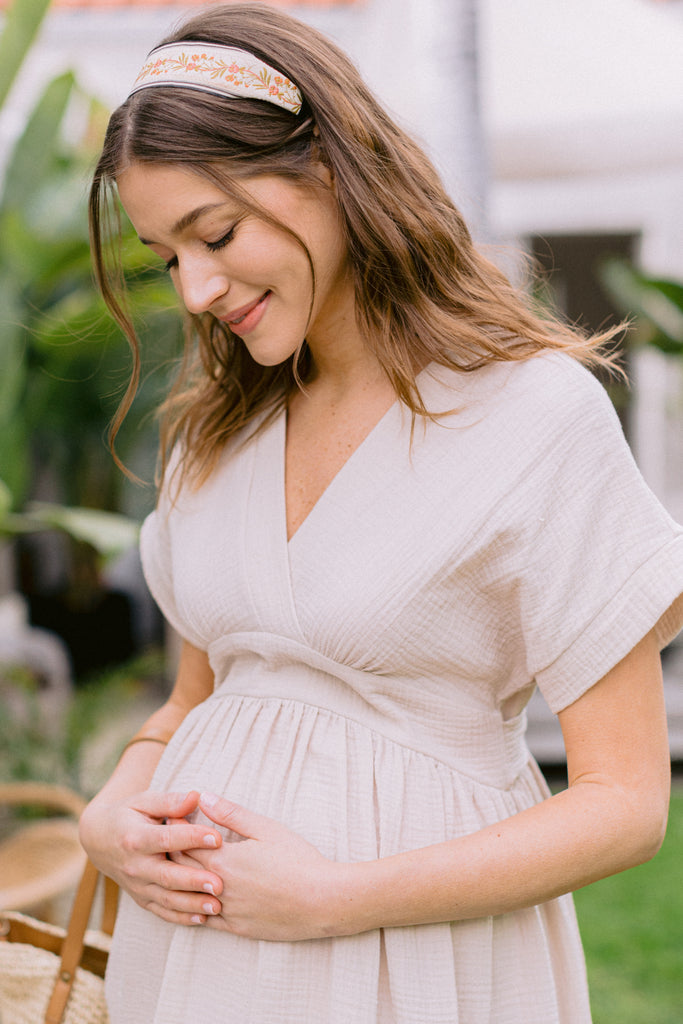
{"type": "Point", "coordinates": [222, 242]}
{"type": "Point", "coordinates": [211, 246]}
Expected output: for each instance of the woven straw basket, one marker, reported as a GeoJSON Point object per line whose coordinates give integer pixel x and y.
{"type": "Point", "coordinates": [27, 981]}
{"type": "Point", "coordinates": [52, 976]}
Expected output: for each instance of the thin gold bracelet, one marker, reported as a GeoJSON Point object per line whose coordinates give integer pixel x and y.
{"type": "Point", "coordinates": [141, 739]}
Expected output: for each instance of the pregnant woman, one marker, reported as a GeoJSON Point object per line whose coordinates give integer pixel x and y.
{"type": "Point", "coordinates": [393, 501]}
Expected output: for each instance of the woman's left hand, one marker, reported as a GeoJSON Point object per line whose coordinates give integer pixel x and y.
{"type": "Point", "coordinates": [276, 885]}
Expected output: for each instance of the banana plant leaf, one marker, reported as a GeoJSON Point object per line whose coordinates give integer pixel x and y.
{"type": "Point", "coordinates": [109, 533]}
{"type": "Point", "coordinates": [34, 152]}
{"type": "Point", "coordinates": [5, 501]}
{"type": "Point", "coordinates": [656, 303]}
{"type": "Point", "coordinates": [64, 364]}
{"type": "Point", "coordinates": [13, 379]}
{"type": "Point", "coordinates": [22, 21]}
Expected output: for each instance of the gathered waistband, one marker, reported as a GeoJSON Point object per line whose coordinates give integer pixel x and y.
{"type": "Point", "coordinates": [474, 740]}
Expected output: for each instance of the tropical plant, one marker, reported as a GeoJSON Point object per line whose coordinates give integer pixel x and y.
{"type": "Point", "coordinates": [655, 303]}
{"type": "Point", "coordinates": [108, 533]}
{"type": "Point", "coordinates": [20, 29]}
{"type": "Point", "coordinates": [79, 745]}
{"type": "Point", "coordinates": [63, 362]}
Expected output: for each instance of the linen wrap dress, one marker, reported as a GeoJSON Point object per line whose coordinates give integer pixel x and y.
{"type": "Point", "coordinates": [371, 676]}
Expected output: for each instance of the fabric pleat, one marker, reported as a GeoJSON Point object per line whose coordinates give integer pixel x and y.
{"type": "Point", "coordinates": [371, 680]}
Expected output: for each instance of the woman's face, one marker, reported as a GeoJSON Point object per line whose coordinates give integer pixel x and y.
{"type": "Point", "coordinates": [227, 261]}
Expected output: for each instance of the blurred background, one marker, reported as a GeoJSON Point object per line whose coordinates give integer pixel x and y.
{"type": "Point", "coordinates": [557, 127]}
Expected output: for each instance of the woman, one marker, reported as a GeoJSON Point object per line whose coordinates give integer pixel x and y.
{"type": "Point", "coordinates": [393, 502]}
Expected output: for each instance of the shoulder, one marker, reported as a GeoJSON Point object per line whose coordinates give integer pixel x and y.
{"type": "Point", "coordinates": [183, 490]}
{"type": "Point", "coordinates": [545, 394]}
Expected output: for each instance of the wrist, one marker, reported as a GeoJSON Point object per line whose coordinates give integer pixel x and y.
{"type": "Point", "coordinates": [346, 900]}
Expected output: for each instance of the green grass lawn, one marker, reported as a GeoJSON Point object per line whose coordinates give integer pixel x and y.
{"type": "Point", "coordinates": [632, 928]}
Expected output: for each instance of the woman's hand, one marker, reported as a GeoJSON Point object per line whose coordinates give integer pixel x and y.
{"type": "Point", "coordinates": [276, 885]}
{"type": "Point", "coordinates": [129, 840]}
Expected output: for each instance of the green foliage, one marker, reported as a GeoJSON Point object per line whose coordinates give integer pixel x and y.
{"type": "Point", "coordinates": [33, 155]}
{"type": "Point", "coordinates": [5, 502]}
{"type": "Point", "coordinates": [109, 533]}
{"type": "Point", "coordinates": [95, 710]}
{"type": "Point", "coordinates": [29, 748]}
{"type": "Point", "coordinates": [632, 928]}
{"type": "Point", "coordinates": [656, 304]}
{"type": "Point", "coordinates": [63, 363]}
{"type": "Point", "coordinates": [22, 22]}
{"type": "Point", "coordinates": [34, 746]}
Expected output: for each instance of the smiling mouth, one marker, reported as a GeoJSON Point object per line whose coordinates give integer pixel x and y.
{"type": "Point", "coordinates": [246, 310]}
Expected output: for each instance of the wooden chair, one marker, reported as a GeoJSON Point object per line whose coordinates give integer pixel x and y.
{"type": "Point", "coordinates": [40, 860]}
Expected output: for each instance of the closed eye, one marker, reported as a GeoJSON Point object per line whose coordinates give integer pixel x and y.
{"type": "Point", "coordinates": [221, 242]}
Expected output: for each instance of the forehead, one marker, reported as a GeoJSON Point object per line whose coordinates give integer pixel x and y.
{"type": "Point", "coordinates": [153, 191]}
{"type": "Point", "coordinates": [168, 199]}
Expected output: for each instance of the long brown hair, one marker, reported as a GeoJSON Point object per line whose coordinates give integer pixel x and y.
{"type": "Point", "coordinates": [423, 292]}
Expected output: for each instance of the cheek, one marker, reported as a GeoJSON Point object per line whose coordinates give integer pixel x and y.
{"type": "Point", "coordinates": [280, 259]}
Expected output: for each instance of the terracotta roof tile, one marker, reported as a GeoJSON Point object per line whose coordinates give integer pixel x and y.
{"type": "Point", "coordinates": [183, 3]}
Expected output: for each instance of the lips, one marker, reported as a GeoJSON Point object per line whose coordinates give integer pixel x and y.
{"type": "Point", "coordinates": [237, 316]}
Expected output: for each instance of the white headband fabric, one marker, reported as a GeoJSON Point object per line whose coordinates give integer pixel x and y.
{"type": "Point", "coordinates": [222, 70]}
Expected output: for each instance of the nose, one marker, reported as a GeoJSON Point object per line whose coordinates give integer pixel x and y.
{"type": "Point", "coordinates": [200, 284]}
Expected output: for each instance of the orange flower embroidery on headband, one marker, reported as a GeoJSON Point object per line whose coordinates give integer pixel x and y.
{"type": "Point", "coordinates": [221, 70]}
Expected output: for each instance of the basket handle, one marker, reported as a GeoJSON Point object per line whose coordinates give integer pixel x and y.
{"type": "Point", "coordinates": [72, 949]}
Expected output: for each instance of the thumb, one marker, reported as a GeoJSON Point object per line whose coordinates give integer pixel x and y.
{"type": "Point", "coordinates": [238, 819]}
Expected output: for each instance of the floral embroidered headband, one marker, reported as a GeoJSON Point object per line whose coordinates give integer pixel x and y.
{"type": "Point", "coordinates": [217, 69]}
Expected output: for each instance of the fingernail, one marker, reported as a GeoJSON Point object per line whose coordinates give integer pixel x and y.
{"type": "Point", "coordinates": [210, 840]}
{"type": "Point", "coordinates": [208, 908]}
{"type": "Point", "coordinates": [207, 887]}
{"type": "Point", "coordinates": [209, 799]}
{"type": "Point", "coordinates": [196, 919]}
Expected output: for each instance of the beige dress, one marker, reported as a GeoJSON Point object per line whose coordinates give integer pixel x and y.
{"type": "Point", "coordinates": [371, 678]}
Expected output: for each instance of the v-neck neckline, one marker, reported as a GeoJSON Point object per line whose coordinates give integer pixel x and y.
{"type": "Point", "coordinates": [344, 469]}
{"type": "Point", "coordinates": [338, 476]}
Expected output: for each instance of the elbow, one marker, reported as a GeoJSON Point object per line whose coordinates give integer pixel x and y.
{"type": "Point", "coordinates": [648, 819]}
{"type": "Point", "coordinates": [84, 835]}
{"type": "Point", "coordinates": [651, 839]}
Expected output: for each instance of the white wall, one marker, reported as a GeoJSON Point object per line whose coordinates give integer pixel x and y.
{"type": "Point", "coordinates": [583, 104]}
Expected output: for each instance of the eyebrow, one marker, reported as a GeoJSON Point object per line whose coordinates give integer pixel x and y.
{"type": "Point", "coordinates": [188, 219]}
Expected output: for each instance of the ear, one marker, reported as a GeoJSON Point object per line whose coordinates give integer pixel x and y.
{"type": "Point", "coordinates": [320, 161]}
{"type": "Point", "coordinates": [324, 173]}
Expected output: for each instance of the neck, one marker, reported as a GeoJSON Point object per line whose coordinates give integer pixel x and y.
{"type": "Point", "coordinates": [341, 358]}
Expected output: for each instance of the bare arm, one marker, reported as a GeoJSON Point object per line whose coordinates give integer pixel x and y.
{"type": "Point", "coordinates": [124, 827]}
{"type": "Point", "coordinates": [193, 684]}
{"type": "Point", "coordinates": [612, 816]}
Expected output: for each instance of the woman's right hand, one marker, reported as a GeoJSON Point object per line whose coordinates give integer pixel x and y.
{"type": "Point", "coordinates": [128, 840]}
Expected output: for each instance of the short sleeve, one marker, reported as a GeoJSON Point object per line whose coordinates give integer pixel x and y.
{"type": "Point", "coordinates": [156, 553]}
{"type": "Point", "coordinates": [602, 562]}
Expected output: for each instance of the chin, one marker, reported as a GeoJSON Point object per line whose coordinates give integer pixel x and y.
{"type": "Point", "coordinates": [271, 358]}
{"type": "Point", "coordinates": [267, 361]}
